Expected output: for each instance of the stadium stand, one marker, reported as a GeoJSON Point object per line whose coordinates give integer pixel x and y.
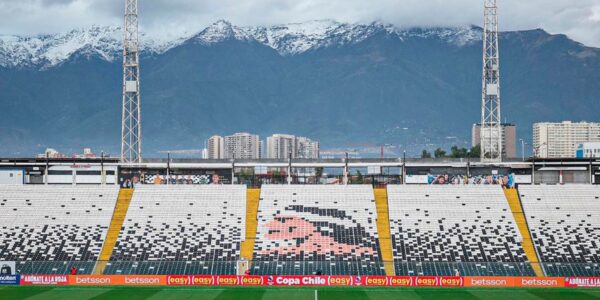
{"type": "Point", "coordinates": [50, 229]}
{"type": "Point", "coordinates": [565, 227]}
{"type": "Point", "coordinates": [181, 230]}
{"type": "Point", "coordinates": [439, 230]}
{"type": "Point", "coordinates": [317, 229]}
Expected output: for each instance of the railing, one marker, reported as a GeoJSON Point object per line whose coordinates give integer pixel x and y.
{"type": "Point", "coordinates": [338, 267]}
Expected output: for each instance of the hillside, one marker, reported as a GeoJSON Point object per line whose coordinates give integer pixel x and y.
{"type": "Point", "coordinates": [345, 84]}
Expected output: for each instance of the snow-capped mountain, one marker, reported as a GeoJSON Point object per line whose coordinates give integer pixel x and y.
{"type": "Point", "coordinates": [290, 39]}
{"type": "Point", "coordinates": [339, 83]}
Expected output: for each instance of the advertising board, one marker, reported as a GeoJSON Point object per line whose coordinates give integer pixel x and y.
{"type": "Point", "coordinates": [275, 280]}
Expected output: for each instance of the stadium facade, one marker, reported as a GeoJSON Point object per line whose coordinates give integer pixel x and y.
{"type": "Point", "coordinates": [255, 173]}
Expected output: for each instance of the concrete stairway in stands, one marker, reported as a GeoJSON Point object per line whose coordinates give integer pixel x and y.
{"type": "Point", "coordinates": [512, 196]}
{"type": "Point", "coordinates": [121, 207]}
{"type": "Point", "coordinates": [383, 228]}
{"type": "Point", "coordinates": [252, 200]}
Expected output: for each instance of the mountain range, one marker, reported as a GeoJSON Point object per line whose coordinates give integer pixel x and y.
{"type": "Point", "coordinates": [347, 85]}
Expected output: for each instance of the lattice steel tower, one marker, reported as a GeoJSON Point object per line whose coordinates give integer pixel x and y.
{"type": "Point", "coordinates": [131, 130]}
{"type": "Point", "coordinates": [491, 127]}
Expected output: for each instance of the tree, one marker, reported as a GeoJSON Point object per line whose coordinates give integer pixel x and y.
{"type": "Point", "coordinates": [459, 152]}
{"type": "Point", "coordinates": [475, 151]}
{"type": "Point", "coordinates": [425, 154]}
{"type": "Point", "coordinates": [440, 153]}
{"type": "Point", "coordinates": [359, 176]}
{"type": "Point", "coordinates": [318, 172]}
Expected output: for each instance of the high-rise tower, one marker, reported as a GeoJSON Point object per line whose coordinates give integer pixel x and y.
{"type": "Point", "coordinates": [491, 129]}
{"type": "Point", "coordinates": [131, 130]}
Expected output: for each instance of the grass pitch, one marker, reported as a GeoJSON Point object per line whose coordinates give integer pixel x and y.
{"type": "Point", "coordinates": [267, 293]}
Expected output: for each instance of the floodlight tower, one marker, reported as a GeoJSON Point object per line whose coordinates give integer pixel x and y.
{"type": "Point", "coordinates": [491, 127]}
{"type": "Point", "coordinates": [131, 130]}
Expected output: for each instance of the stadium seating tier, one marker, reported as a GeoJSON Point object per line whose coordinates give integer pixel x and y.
{"type": "Point", "coordinates": [317, 229]}
{"type": "Point", "coordinates": [181, 230]}
{"type": "Point", "coordinates": [49, 229]}
{"type": "Point", "coordinates": [565, 227]}
{"type": "Point", "coordinates": [445, 230]}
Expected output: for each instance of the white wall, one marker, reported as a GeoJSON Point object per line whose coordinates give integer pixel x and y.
{"type": "Point", "coordinates": [11, 176]}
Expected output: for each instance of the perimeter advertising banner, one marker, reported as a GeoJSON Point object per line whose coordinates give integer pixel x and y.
{"type": "Point", "coordinates": [582, 282]}
{"type": "Point", "coordinates": [209, 280]}
{"type": "Point", "coordinates": [139, 280]}
{"type": "Point", "coordinates": [537, 282]}
{"type": "Point", "coordinates": [477, 281]}
{"type": "Point", "coordinates": [7, 273]}
{"type": "Point", "coordinates": [542, 282]}
{"type": "Point", "coordinates": [273, 280]}
{"type": "Point", "coordinates": [44, 279]}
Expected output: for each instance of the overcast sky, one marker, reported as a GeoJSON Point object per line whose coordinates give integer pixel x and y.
{"type": "Point", "coordinates": [579, 19]}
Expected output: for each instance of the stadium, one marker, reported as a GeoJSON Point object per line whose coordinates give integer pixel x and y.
{"type": "Point", "coordinates": [133, 227]}
{"type": "Point", "coordinates": [68, 223]}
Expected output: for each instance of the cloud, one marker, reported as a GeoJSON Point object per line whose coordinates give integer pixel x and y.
{"type": "Point", "coordinates": [579, 19]}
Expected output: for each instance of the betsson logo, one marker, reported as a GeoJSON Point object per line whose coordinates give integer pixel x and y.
{"type": "Point", "coordinates": [488, 282]}
{"type": "Point", "coordinates": [92, 280]}
{"type": "Point", "coordinates": [142, 281]}
{"type": "Point", "coordinates": [539, 282]}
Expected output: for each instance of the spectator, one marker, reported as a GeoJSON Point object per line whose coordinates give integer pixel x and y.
{"type": "Point", "coordinates": [216, 179]}
{"type": "Point", "coordinates": [73, 271]}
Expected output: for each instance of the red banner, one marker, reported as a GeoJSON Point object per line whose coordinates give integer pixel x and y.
{"type": "Point", "coordinates": [426, 281]}
{"type": "Point", "coordinates": [253, 280]}
{"type": "Point", "coordinates": [228, 280]}
{"type": "Point", "coordinates": [376, 281]}
{"type": "Point", "coordinates": [183, 280]}
{"type": "Point", "coordinates": [448, 281]}
{"type": "Point", "coordinates": [297, 280]}
{"type": "Point", "coordinates": [401, 281]}
{"type": "Point", "coordinates": [582, 282]}
{"type": "Point", "coordinates": [44, 279]}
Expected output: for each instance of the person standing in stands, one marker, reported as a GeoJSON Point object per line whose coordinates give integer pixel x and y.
{"type": "Point", "coordinates": [73, 271]}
